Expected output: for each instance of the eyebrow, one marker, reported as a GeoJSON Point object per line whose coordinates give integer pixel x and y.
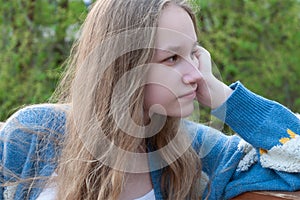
{"type": "Point", "coordinates": [177, 48]}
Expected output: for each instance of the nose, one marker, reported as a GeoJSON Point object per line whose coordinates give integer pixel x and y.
{"type": "Point", "coordinates": [192, 74]}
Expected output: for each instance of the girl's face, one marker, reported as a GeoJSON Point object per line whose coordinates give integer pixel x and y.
{"type": "Point", "coordinates": [173, 75]}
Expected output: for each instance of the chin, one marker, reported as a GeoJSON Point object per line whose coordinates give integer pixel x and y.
{"type": "Point", "coordinates": [184, 112]}
{"type": "Point", "coordinates": [184, 115]}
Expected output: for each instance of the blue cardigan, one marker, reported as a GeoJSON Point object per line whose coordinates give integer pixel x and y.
{"type": "Point", "coordinates": [265, 155]}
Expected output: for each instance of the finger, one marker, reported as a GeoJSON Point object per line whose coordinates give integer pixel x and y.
{"type": "Point", "coordinates": [203, 51]}
{"type": "Point", "coordinates": [204, 59]}
{"type": "Point", "coordinates": [198, 52]}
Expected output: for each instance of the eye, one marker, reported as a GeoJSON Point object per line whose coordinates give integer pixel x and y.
{"type": "Point", "coordinates": [171, 60]}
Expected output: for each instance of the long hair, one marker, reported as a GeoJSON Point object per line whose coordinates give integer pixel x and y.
{"type": "Point", "coordinates": [116, 38]}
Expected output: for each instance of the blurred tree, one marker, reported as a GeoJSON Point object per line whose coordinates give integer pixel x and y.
{"type": "Point", "coordinates": [256, 42]}
{"type": "Point", "coordinates": [36, 36]}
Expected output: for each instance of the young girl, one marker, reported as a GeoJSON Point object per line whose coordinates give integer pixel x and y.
{"type": "Point", "coordinates": [118, 130]}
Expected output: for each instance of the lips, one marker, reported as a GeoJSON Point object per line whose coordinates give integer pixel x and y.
{"type": "Point", "coordinates": [189, 95]}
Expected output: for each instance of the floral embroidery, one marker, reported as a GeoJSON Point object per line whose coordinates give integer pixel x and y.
{"type": "Point", "coordinates": [262, 151]}
{"type": "Point", "coordinates": [283, 140]}
{"type": "Point", "coordinates": [291, 134]}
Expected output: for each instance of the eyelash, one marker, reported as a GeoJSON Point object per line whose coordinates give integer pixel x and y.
{"type": "Point", "coordinates": [176, 57]}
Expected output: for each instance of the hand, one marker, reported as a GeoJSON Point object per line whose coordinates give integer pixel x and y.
{"type": "Point", "coordinates": [211, 92]}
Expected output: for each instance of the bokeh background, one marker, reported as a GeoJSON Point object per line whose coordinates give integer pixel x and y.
{"type": "Point", "coordinates": [255, 41]}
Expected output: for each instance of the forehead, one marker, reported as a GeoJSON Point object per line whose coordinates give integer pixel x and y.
{"type": "Point", "coordinates": [175, 28]}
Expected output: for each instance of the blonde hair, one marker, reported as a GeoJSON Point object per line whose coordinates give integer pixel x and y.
{"type": "Point", "coordinates": [116, 37]}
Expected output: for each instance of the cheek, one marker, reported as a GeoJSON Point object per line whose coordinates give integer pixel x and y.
{"type": "Point", "coordinates": [167, 77]}
{"type": "Point", "coordinates": [162, 86]}
{"type": "Point", "coordinates": [160, 100]}
{"type": "Point", "coordinates": [157, 94]}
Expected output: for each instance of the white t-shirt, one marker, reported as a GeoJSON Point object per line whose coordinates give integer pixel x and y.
{"type": "Point", "coordinates": [47, 194]}
{"type": "Point", "coordinates": [149, 196]}
{"type": "Point", "coordinates": [50, 192]}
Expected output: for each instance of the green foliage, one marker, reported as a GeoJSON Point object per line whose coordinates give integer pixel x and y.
{"type": "Point", "coordinates": [35, 40]}
{"type": "Point", "coordinates": [254, 41]}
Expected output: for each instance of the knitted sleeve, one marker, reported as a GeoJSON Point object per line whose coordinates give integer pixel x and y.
{"type": "Point", "coordinates": [263, 155]}
{"type": "Point", "coordinates": [267, 125]}
{"type": "Point", "coordinates": [28, 143]}
{"type": "Point", "coordinates": [267, 153]}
